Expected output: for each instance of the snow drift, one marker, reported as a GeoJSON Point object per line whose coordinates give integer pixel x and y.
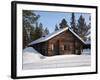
{"type": "Point", "coordinates": [60, 62]}
{"type": "Point", "coordinates": [86, 52]}
{"type": "Point", "coordinates": [34, 60]}
{"type": "Point", "coordinates": [30, 55]}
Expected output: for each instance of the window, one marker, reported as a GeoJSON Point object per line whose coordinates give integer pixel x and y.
{"type": "Point", "coordinates": [64, 47]}
{"type": "Point", "coordinates": [52, 46]}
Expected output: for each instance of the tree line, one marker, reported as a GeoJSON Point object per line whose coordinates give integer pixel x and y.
{"type": "Point", "coordinates": [33, 30]}
{"type": "Point", "coordinates": [80, 28]}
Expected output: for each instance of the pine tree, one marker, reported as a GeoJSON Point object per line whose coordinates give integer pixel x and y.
{"type": "Point", "coordinates": [88, 37]}
{"type": "Point", "coordinates": [29, 17]}
{"type": "Point", "coordinates": [56, 27]}
{"type": "Point", "coordinates": [73, 23]}
{"type": "Point", "coordinates": [63, 24]}
{"type": "Point", "coordinates": [32, 33]}
{"type": "Point", "coordinates": [46, 31]}
{"type": "Point", "coordinates": [83, 29]}
{"type": "Point", "coordinates": [41, 29]}
{"type": "Point", "coordinates": [37, 32]}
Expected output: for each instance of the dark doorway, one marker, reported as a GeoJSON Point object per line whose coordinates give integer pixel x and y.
{"type": "Point", "coordinates": [56, 47]}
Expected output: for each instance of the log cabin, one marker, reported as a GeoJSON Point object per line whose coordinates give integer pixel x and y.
{"type": "Point", "coordinates": [63, 41]}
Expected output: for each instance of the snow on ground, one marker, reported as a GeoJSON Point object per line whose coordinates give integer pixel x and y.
{"type": "Point", "coordinates": [30, 55]}
{"type": "Point", "coordinates": [34, 60]}
{"type": "Point", "coordinates": [86, 52]}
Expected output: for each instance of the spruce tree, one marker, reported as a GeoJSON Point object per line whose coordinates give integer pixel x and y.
{"type": "Point", "coordinates": [29, 18]}
{"type": "Point", "coordinates": [63, 24]}
{"type": "Point", "coordinates": [56, 27]}
{"type": "Point", "coordinates": [41, 29]}
{"type": "Point", "coordinates": [83, 28]}
{"type": "Point", "coordinates": [73, 23]}
{"type": "Point", "coordinates": [37, 32]}
{"type": "Point", "coordinates": [46, 31]}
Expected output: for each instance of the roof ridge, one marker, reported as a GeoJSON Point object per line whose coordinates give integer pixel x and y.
{"type": "Point", "coordinates": [51, 35]}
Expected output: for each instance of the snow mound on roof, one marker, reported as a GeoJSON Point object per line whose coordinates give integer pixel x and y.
{"type": "Point", "coordinates": [30, 55]}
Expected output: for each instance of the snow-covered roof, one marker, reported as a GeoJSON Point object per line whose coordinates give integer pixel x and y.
{"type": "Point", "coordinates": [77, 35]}
{"type": "Point", "coordinates": [49, 36]}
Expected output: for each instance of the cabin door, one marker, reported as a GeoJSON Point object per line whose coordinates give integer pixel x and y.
{"type": "Point", "coordinates": [57, 48]}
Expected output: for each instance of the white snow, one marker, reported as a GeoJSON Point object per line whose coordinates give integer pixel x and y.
{"type": "Point", "coordinates": [49, 36]}
{"type": "Point", "coordinates": [34, 60]}
{"type": "Point", "coordinates": [30, 55]}
{"type": "Point", "coordinates": [87, 42]}
{"type": "Point", "coordinates": [86, 52]}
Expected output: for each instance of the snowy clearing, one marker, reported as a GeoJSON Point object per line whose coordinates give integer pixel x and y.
{"type": "Point", "coordinates": [30, 55]}
{"type": "Point", "coordinates": [34, 60]}
{"type": "Point", "coordinates": [86, 52]}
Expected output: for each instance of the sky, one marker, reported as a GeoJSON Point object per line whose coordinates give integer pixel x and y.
{"type": "Point", "coordinates": [50, 19]}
